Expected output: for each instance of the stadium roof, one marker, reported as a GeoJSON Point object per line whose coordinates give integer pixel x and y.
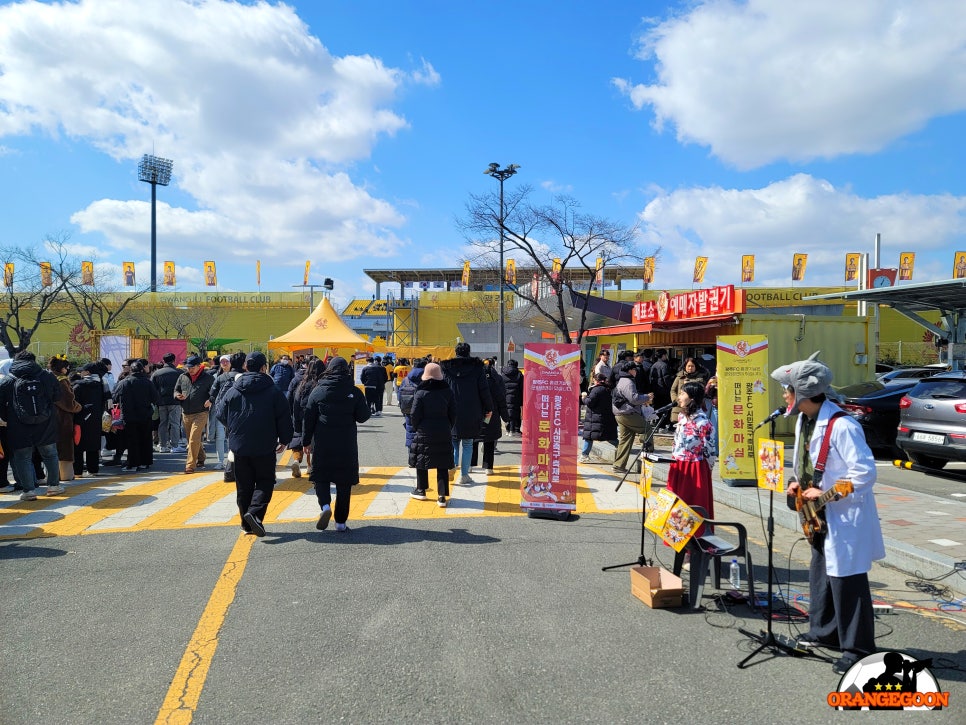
{"type": "Point", "coordinates": [491, 275]}
{"type": "Point", "coordinates": [947, 296]}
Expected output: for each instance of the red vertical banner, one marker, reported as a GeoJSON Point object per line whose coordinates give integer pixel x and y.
{"type": "Point", "coordinates": [551, 406]}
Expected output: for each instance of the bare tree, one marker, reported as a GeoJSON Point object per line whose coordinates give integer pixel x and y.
{"type": "Point", "coordinates": [37, 280]}
{"type": "Point", "coordinates": [543, 234]}
{"type": "Point", "coordinates": [207, 324]}
{"type": "Point", "coordinates": [160, 322]}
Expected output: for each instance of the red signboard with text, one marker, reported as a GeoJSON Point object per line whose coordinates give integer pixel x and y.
{"type": "Point", "coordinates": [690, 305]}
{"type": "Point", "coordinates": [551, 407]}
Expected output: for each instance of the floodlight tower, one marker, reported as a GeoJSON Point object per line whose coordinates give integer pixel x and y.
{"type": "Point", "coordinates": [155, 171]}
{"type": "Point", "coordinates": [502, 175]}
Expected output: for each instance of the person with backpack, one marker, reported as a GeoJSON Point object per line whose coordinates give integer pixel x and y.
{"type": "Point", "coordinates": [27, 399]}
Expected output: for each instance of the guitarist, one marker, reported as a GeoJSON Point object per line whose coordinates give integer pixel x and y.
{"type": "Point", "coordinates": [840, 607]}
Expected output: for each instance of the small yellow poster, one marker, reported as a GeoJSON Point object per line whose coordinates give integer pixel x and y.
{"type": "Point", "coordinates": [771, 465]}
{"type": "Point", "coordinates": [672, 519]}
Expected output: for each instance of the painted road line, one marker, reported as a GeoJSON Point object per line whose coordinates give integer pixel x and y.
{"type": "Point", "coordinates": [174, 504]}
{"type": "Point", "coordinates": [221, 511]}
{"type": "Point", "coordinates": [184, 693]}
{"type": "Point", "coordinates": [601, 487]}
{"type": "Point", "coordinates": [392, 497]}
{"type": "Point", "coordinates": [468, 499]}
{"type": "Point", "coordinates": [503, 492]}
{"type": "Point", "coordinates": [303, 508]}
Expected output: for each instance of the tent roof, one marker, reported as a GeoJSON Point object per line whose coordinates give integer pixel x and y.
{"type": "Point", "coordinates": [322, 328]}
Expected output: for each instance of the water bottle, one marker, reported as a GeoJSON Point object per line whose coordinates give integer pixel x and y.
{"type": "Point", "coordinates": [734, 575]}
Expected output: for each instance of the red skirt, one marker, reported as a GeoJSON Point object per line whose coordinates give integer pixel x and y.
{"type": "Point", "coordinates": [691, 481]}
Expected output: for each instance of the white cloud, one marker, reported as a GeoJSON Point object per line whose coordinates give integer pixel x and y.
{"type": "Point", "coordinates": [798, 214]}
{"type": "Point", "coordinates": [763, 80]}
{"type": "Point", "coordinates": [259, 118]}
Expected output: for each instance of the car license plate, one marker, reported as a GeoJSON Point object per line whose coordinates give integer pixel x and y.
{"type": "Point", "coordinates": [933, 438]}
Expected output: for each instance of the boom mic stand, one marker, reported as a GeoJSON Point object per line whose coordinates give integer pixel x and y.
{"type": "Point", "coordinates": [641, 560]}
{"type": "Point", "coordinates": [766, 638]}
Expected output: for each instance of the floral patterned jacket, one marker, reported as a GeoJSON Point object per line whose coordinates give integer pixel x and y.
{"type": "Point", "coordinates": [692, 437]}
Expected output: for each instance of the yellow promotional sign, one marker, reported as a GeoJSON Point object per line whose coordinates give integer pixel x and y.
{"type": "Point", "coordinates": [258, 273]}
{"type": "Point", "coordinates": [771, 465]}
{"type": "Point", "coordinates": [466, 275]}
{"type": "Point", "coordinates": [46, 276]}
{"type": "Point", "coordinates": [700, 265]}
{"type": "Point", "coordinates": [211, 274]}
{"type": "Point", "coordinates": [128, 268]}
{"type": "Point", "coordinates": [599, 272]}
{"type": "Point", "coordinates": [907, 261]}
{"type": "Point", "coordinates": [852, 266]}
{"type": "Point", "coordinates": [8, 274]}
{"type": "Point", "coordinates": [648, 270]}
{"type": "Point", "coordinates": [742, 402]}
{"type": "Point", "coordinates": [87, 273]}
{"type": "Point", "coordinates": [169, 279]}
{"type": "Point", "coordinates": [511, 272]}
{"type": "Point", "coordinates": [798, 267]}
{"type": "Point", "coordinates": [747, 268]}
{"type": "Point", "coordinates": [305, 277]}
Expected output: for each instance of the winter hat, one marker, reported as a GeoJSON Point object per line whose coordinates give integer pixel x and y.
{"type": "Point", "coordinates": [432, 371]}
{"type": "Point", "coordinates": [255, 362]}
{"type": "Point", "coordinates": [336, 366]}
{"type": "Point", "coordinates": [192, 360]}
{"type": "Point", "coordinates": [807, 378]}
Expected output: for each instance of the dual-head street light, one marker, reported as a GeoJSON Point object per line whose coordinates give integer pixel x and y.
{"type": "Point", "coordinates": [502, 175]}
{"type": "Point", "coordinates": [157, 172]}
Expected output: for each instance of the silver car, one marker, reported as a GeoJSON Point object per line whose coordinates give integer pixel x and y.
{"type": "Point", "coordinates": [932, 420]}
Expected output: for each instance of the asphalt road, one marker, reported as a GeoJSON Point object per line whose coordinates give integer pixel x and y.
{"type": "Point", "coordinates": [487, 619]}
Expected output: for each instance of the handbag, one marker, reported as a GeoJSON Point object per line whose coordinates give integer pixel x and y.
{"type": "Point", "coordinates": [106, 422]}
{"type": "Point", "coordinates": [117, 420]}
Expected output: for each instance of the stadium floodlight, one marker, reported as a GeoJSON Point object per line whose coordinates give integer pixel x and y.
{"type": "Point", "coordinates": [157, 172]}
{"type": "Point", "coordinates": [502, 175]}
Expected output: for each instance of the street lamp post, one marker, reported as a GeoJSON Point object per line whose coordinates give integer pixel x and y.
{"type": "Point", "coordinates": [156, 172]}
{"type": "Point", "coordinates": [502, 175]}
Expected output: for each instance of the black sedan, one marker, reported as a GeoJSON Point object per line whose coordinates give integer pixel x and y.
{"type": "Point", "coordinates": [876, 407]}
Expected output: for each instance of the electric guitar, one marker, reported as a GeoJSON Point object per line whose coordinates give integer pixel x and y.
{"type": "Point", "coordinates": [810, 510]}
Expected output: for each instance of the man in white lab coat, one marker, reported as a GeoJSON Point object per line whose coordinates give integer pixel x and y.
{"type": "Point", "coordinates": [840, 602]}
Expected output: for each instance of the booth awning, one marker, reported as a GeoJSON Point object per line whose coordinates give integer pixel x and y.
{"type": "Point", "coordinates": [322, 328]}
{"type": "Point", "coordinates": [670, 326]}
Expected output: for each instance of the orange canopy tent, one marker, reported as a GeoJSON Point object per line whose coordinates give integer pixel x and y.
{"type": "Point", "coordinates": [322, 328]}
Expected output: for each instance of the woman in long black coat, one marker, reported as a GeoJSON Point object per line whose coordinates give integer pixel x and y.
{"type": "Point", "coordinates": [492, 430]}
{"type": "Point", "coordinates": [431, 420]}
{"type": "Point", "coordinates": [89, 391]}
{"type": "Point", "coordinates": [599, 421]}
{"type": "Point", "coordinates": [330, 435]}
{"type": "Point", "coordinates": [513, 382]}
{"type": "Point", "coordinates": [136, 394]}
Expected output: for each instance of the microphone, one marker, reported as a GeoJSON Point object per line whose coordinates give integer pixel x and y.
{"type": "Point", "coordinates": [770, 418]}
{"type": "Point", "coordinates": [666, 409]}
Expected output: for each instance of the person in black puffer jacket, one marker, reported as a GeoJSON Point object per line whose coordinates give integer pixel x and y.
{"type": "Point", "coordinates": [90, 393]}
{"type": "Point", "coordinates": [431, 420]}
{"type": "Point", "coordinates": [599, 421]}
{"type": "Point", "coordinates": [259, 425]}
{"type": "Point", "coordinates": [135, 394]}
{"type": "Point", "coordinates": [513, 382]}
{"type": "Point", "coordinates": [492, 430]}
{"type": "Point", "coordinates": [464, 375]}
{"type": "Point", "coordinates": [329, 433]}
{"type": "Point", "coordinates": [307, 376]}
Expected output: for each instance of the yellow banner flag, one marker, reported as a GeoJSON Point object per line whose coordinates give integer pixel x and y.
{"type": "Point", "coordinates": [798, 267]}
{"type": "Point", "coordinates": [305, 277]}
{"type": "Point", "coordinates": [169, 279]}
{"type": "Point", "coordinates": [852, 266]}
{"type": "Point", "coordinates": [258, 273]}
{"type": "Point", "coordinates": [87, 273]}
{"type": "Point", "coordinates": [511, 272]}
{"type": "Point", "coordinates": [128, 268]}
{"type": "Point", "coordinates": [700, 265]}
{"type": "Point", "coordinates": [8, 274]}
{"type": "Point", "coordinates": [466, 275]}
{"type": "Point", "coordinates": [907, 260]}
{"type": "Point", "coordinates": [747, 267]}
{"type": "Point", "coordinates": [648, 270]}
{"type": "Point", "coordinates": [211, 274]}
{"type": "Point", "coordinates": [959, 266]}
{"type": "Point", "coordinates": [599, 273]}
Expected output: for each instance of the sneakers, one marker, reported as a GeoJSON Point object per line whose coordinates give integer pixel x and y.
{"type": "Point", "coordinates": [129, 469]}
{"type": "Point", "coordinates": [143, 468]}
{"type": "Point", "coordinates": [179, 449]}
{"type": "Point", "coordinates": [342, 528]}
{"type": "Point", "coordinates": [583, 459]}
{"type": "Point", "coordinates": [466, 481]}
{"type": "Point", "coordinates": [618, 469]}
{"type": "Point", "coordinates": [9, 488]}
{"type": "Point", "coordinates": [164, 449]}
{"type": "Point", "coordinates": [296, 470]}
{"type": "Point", "coordinates": [418, 494]}
{"type": "Point", "coordinates": [28, 496]}
{"type": "Point", "coordinates": [843, 665]}
{"type": "Point", "coordinates": [219, 466]}
{"type": "Point", "coordinates": [489, 471]}
{"type": "Point", "coordinates": [323, 523]}
{"type": "Point", "coordinates": [441, 502]}
{"type": "Point", "coordinates": [55, 490]}
{"type": "Point", "coordinates": [200, 464]}
{"type": "Point", "coordinates": [189, 470]}
{"type": "Point", "coordinates": [256, 526]}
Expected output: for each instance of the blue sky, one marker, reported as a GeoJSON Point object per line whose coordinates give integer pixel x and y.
{"type": "Point", "coordinates": [352, 133]}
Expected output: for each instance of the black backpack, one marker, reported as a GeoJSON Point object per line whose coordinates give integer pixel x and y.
{"type": "Point", "coordinates": [406, 395]}
{"type": "Point", "coordinates": [31, 401]}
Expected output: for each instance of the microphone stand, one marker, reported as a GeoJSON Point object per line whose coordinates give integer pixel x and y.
{"type": "Point", "coordinates": [766, 638]}
{"type": "Point", "coordinates": [641, 560]}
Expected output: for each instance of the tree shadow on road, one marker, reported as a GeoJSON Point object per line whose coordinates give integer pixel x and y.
{"type": "Point", "coordinates": [10, 551]}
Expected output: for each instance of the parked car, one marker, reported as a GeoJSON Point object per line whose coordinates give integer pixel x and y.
{"type": "Point", "coordinates": [875, 406]}
{"type": "Point", "coordinates": [932, 425]}
{"type": "Point", "coordinates": [902, 375]}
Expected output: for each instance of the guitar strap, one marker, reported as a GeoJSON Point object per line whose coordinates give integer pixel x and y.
{"type": "Point", "coordinates": [823, 451]}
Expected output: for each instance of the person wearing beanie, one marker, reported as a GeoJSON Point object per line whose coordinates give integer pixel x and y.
{"type": "Point", "coordinates": [840, 614]}
{"type": "Point", "coordinates": [169, 411]}
{"type": "Point", "coordinates": [136, 394]}
{"type": "Point", "coordinates": [474, 405]}
{"type": "Point", "coordinates": [258, 421]}
{"type": "Point", "coordinates": [192, 390]}
{"type": "Point", "coordinates": [330, 434]}
{"type": "Point", "coordinates": [90, 394]}
{"type": "Point", "coordinates": [432, 418]}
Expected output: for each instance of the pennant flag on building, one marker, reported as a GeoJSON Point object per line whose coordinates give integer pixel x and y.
{"type": "Point", "coordinates": [555, 274]}
{"type": "Point", "coordinates": [798, 267]}
{"type": "Point", "coordinates": [305, 277]}
{"type": "Point", "coordinates": [258, 273]}
{"type": "Point", "coordinates": [959, 266]}
{"type": "Point", "coordinates": [534, 286]}
{"type": "Point", "coordinates": [169, 279]}
{"type": "Point", "coordinates": [648, 270]}
{"type": "Point", "coordinates": [466, 275]}
{"type": "Point", "coordinates": [129, 280]}
{"type": "Point", "coordinates": [211, 274]}
{"type": "Point", "coordinates": [747, 267]}
{"type": "Point", "coordinates": [852, 266]}
{"type": "Point", "coordinates": [8, 274]}
{"type": "Point", "coordinates": [87, 273]}
{"type": "Point", "coordinates": [511, 272]}
{"type": "Point", "coordinates": [599, 274]}
{"type": "Point", "coordinates": [700, 265]}
{"type": "Point", "coordinates": [907, 260]}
